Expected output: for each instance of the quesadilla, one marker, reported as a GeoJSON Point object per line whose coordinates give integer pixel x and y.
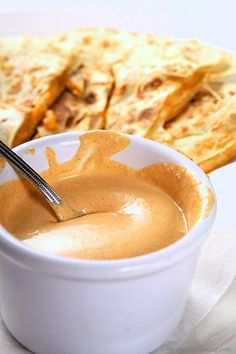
{"type": "Point", "coordinates": [90, 82]}
{"type": "Point", "coordinates": [206, 130]}
{"type": "Point", "coordinates": [157, 81]}
{"type": "Point", "coordinates": [83, 112]}
{"type": "Point", "coordinates": [32, 75]}
{"type": "Point", "coordinates": [141, 84]}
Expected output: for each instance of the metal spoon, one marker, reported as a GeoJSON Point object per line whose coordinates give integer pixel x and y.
{"type": "Point", "coordinates": [62, 210]}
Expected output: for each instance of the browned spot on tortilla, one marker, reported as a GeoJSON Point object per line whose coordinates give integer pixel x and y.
{"type": "Point", "coordinates": [146, 114]}
{"type": "Point", "coordinates": [87, 40]}
{"type": "Point", "coordinates": [105, 44]}
{"type": "Point", "coordinates": [90, 98]}
{"type": "Point", "coordinates": [153, 85]}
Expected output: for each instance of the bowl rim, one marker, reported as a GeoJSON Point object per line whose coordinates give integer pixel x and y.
{"type": "Point", "coordinates": [59, 266]}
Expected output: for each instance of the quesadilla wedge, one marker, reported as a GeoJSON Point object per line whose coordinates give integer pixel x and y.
{"type": "Point", "coordinates": [32, 76]}
{"type": "Point", "coordinates": [156, 82]}
{"type": "Point", "coordinates": [90, 82]}
{"type": "Point", "coordinates": [206, 130]}
{"type": "Point", "coordinates": [83, 112]}
{"type": "Point", "coordinates": [11, 118]}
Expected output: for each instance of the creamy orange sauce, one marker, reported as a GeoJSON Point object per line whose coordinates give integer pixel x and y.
{"type": "Point", "coordinates": [30, 151]}
{"type": "Point", "coordinates": [2, 163]}
{"type": "Point", "coordinates": [130, 212]}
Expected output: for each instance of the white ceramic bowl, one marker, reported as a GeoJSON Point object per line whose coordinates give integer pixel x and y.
{"type": "Point", "coordinates": [55, 305]}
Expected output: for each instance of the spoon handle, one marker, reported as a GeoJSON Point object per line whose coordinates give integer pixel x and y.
{"type": "Point", "coordinates": [34, 177]}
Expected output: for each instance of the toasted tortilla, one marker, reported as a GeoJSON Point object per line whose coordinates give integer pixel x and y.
{"type": "Point", "coordinates": [206, 130]}
{"type": "Point", "coordinates": [11, 118]}
{"type": "Point", "coordinates": [103, 78]}
{"type": "Point", "coordinates": [90, 82]}
{"type": "Point", "coordinates": [157, 80]}
{"type": "Point", "coordinates": [79, 112]}
{"type": "Point", "coordinates": [139, 109]}
{"type": "Point", "coordinates": [32, 75]}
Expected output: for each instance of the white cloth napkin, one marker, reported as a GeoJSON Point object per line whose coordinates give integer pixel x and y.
{"type": "Point", "coordinates": [8, 345]}
{"type": "Point", "coordinates": [215, 273]}
{"type": "Point", "coordinates": [217, 332]}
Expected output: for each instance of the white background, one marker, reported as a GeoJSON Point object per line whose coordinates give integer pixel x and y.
{"type": "Point", "coordinates": [212, 21]}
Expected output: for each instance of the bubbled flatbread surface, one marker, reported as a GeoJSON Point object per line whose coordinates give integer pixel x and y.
{"type": "Point", "coordinates": [146, 79]}
{"type": "Point", "coordinates": [31, 75]}
{"type": "Point", "coordinates": [157, 80]}
{"type": "Point", "coordinates": [133, 83]}
{"type": "Point", "coordinates": [11, 118]}
{"type": "Point", "coordinates": [206, 130]}
{"type": "Point", "coordinates": [90, 82]}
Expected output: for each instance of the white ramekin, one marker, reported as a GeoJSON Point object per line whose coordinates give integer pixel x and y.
{"type": "Point", "coordinates": [55, 305]}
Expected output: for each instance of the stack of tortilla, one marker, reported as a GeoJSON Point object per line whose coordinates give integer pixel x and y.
{"type": "Point", "coordinates": [172, 91]}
